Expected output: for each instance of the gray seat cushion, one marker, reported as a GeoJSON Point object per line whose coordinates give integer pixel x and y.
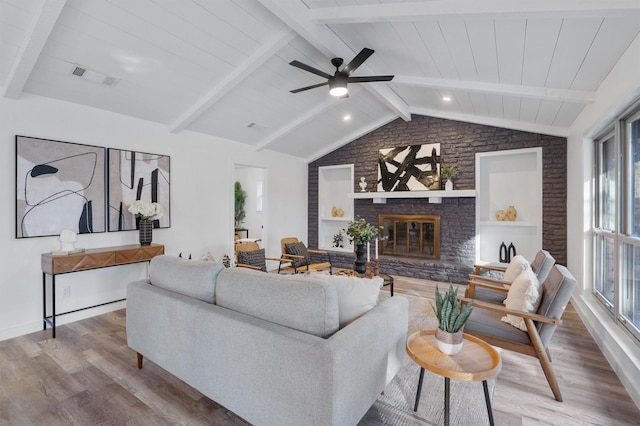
{"type": "Point", "coordinates": [193, 278]}
{"type": "Point", "coordinates": [488, 322]}
{"type": "Point", "coordinates": [300, 302]}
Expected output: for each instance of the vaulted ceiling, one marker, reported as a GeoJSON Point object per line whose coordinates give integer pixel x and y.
{"type": "Point", "coordinates": [221, 67]}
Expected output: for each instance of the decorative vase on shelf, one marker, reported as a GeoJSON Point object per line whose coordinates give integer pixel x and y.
{"type": "Point", "coordinates": [449, 343]}
{"type": "Point", "coordinates": [360, 265]}
{"type": "Point", "coordinates": [448, 185]}
{"type": "Point", "coordinates": [145, 229]}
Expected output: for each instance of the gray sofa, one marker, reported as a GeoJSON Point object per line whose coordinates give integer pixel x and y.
{"type": "Point", "coordinates": [265, 346]}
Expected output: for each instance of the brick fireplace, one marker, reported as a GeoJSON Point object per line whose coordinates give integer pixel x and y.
{"type": "Point", "coordinates": [459, 142]}
{"type": "Point", "coordinates": [410, 235]}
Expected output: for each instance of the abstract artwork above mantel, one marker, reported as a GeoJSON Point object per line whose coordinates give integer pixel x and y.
{"type": "Point", "coordinates": [59, 185]}
{"type": "Point", "coordinates": [137, 176]}
{"type": "Point", "coordinates": [409, 168]}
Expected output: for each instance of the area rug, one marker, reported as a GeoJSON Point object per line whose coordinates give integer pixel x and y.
{"type": "Point", "coordinates": [395, 407]}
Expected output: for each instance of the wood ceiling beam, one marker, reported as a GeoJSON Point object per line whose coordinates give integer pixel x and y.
{"type": "Point", "coordinates": [30, 50]}
{"type": "Point", "coordinates": [492, 121]}
{"type": "Point", "coordinates": [472, 8]}
{"type": "Point", "coordinates": [296, 15]}
{"type": "Point", "coordinates": [233, 79]}
{"type": "Point", "coordinates": [296, 123]}
{"type": "Point", "coordinates": [565, 95]}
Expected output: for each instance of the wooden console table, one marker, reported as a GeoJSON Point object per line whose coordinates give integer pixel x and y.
{"type": "Point", "coordinates": [90, 259]}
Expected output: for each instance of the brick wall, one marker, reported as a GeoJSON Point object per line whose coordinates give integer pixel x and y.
{"type": "Point", "coordinates": [459, 142]}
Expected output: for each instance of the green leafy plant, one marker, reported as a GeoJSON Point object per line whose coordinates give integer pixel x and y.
{"type": "Point", "coordinates": [361, 232]}
{"type": "Point", "coordinates": [240, 198]}
{"type": "Point", "coordinates": [338, 239]}
{"type": "Point", "coordinates": [449, 311]}
{"type": "Point", "coordinates": [448, 171]}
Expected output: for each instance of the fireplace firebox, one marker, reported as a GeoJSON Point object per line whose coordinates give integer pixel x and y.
{"type": "Point", "coordinates": [410, 235]}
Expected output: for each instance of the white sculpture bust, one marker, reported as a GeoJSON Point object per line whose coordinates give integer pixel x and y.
{"type": "Point", "coordinates": [68, 240]}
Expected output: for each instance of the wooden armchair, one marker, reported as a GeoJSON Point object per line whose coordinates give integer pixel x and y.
{"type": "Point", "coordinates": [297, 258]}
{"type": "Point", "coordinates": [485, 322]}
{"type": "Point", "coordinates": [253, 256]}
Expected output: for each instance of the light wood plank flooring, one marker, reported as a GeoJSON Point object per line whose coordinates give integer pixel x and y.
{"type": "Point", "coordinates": [89, 376]}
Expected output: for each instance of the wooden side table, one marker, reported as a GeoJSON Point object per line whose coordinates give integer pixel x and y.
{"type": "Point", "coordinates": [476, 361]}
{"type": "Point", "coordinates": [83, 261]}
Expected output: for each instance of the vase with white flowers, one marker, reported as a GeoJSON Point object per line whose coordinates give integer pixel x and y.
{"type": "Point", "coordinates": [145, 213]}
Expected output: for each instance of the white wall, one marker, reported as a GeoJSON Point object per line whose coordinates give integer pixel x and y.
{"type": "Point", "coordinates": [202, 178]}
{"type": "Point", "coordinates": [616, 94]}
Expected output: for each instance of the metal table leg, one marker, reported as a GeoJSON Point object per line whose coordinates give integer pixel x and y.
{"type": "Point", "coordinates": [415, 407]}
{"type": "Point", "coordinates": [447, 382]}
{"type": "Point", "coordinates": [488, 401]}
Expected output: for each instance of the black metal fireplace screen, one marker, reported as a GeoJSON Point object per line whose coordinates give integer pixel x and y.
{"type": "Point", "coordinates": [410, 235]}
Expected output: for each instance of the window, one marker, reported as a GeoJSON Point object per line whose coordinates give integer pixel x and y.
{"type": "Point", "coordinates": [617, 221]}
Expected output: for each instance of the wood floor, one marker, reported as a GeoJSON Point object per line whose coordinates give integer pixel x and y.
{"type": "Point", "coordinates": [87, 376]}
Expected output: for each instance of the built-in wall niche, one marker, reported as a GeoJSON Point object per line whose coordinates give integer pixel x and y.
{"type": "Point", "coordinates": [335, 208]}
{"type": "Point", "coordinates": [503, 179]}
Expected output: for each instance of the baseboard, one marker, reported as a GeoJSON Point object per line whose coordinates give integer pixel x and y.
{"type": "Point", "coordinates": [619, 347]}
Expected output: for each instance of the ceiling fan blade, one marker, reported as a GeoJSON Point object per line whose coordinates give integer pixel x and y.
{"type": "Point", "coordinates": [357, 61]}
{"type": "Point", "coordinates": [370, 79]}
{"type": "Point", "coordinates": [302, 89]}
{"type": "Point", "coordinates": [309, 68]}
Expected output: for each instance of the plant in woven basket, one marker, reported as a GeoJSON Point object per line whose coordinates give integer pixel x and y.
{"type": "Point", "coordinates": [451, 317]}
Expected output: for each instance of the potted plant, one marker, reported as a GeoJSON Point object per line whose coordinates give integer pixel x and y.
{"type": "Point", "coordinates": [360, 232]}
{"type": "Point", "coordinates": [448, 172]}
{"type": "Point", "coordinates": [240, 197]}
{"type": "Point", "coordinates": [451, 318]}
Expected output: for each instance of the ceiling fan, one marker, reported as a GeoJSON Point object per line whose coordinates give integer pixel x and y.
{"type": "Point", "coordinates": [338, 81]}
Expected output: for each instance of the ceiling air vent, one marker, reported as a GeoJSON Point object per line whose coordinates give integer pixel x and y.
{"type": "Point", "coordinates": [78, 71]}
{"type": "Point", "coordinates": [94, 76]}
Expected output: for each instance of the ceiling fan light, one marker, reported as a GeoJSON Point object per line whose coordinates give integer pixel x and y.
{"type": "Point", "coordinates": [338, 90]}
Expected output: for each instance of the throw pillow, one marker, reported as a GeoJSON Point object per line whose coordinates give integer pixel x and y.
{"type": "Point", "coordinates": [356, 296]}
{"type": "Point", "coordinates": [517, 265]}
{"type": "Point", "coordinates": [253, 258]}
{"type": "Point", "coordinates": [298, 249]}
{"type": "Point", "coordinates": [524, 295]}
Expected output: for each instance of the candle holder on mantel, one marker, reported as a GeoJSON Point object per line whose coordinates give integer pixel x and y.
{"type": "Point", "coordinates": [367, 274]}
{"type": "Point", "coordinates": [376, 262]}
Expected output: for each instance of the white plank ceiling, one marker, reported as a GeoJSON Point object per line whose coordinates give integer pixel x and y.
{"type": "Point", "coordinates": [221, 67]}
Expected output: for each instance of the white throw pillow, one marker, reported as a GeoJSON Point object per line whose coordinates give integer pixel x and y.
{"type": "Point", "coordinates": [517, 265]}
{"type": "Point", "coordinates": [524, 295]}
{"type": "Point", "coordinates": [356, 296]}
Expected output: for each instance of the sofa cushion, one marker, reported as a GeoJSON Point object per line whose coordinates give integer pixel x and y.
{"type": "Point", "coordinates": [253, 258]}
{"type": "Point", "coordinates": [193, 278]}
{"type": "Point", "coordinates": [298, 249]}
{"type": "Point", "coordinates": [303, 303]}
{"type": "Point", "coordinates": [356, 296]}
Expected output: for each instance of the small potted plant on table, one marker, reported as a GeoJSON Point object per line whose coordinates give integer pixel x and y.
{"type": "Point", "coordinates": [451, 318]}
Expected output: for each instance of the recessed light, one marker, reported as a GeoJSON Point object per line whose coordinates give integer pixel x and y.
{"type": "Point", "coordinates": [346, 118]}
{"type": "Point", "coordinates": [446, 99]}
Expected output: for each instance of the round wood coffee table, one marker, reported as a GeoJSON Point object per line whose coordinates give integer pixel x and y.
{"type": "Point", "coordinates": [477, 361]}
